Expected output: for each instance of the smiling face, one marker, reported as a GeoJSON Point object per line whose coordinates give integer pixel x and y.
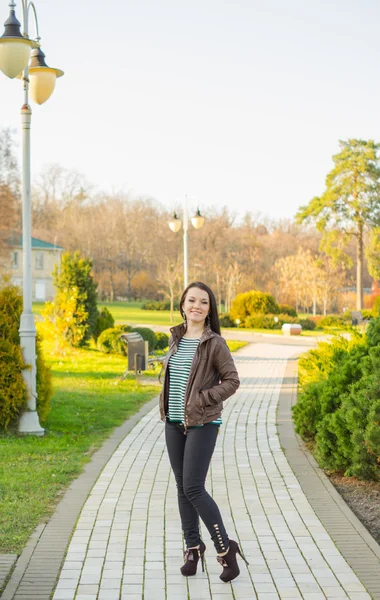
{"type": "Point", "coordinates": [196, 306]}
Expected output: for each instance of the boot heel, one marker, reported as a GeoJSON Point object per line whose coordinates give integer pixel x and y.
{"type": "Point", "coordinates": [242, 555]}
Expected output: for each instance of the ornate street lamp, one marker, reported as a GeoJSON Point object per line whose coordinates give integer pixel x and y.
{"type": "Point", "coordinates": [15, 51]}
{"type": "Point", "coordinates": [197, 222]}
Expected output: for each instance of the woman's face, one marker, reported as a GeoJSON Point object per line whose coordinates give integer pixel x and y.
{"type": "Point", "coordinates": [196, 306]}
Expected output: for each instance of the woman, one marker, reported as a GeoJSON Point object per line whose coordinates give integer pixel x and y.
{"type": "Point", "coordinates": [200, 374]}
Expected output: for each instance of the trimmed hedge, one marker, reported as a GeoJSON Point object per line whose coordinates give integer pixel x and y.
{"type": "Point", "coordinates": [259, 321]}
{"type": "Point", "coordinates": [109, 340]}
{"type": "Point", "coordinates": [148, 335]}
{"type": "Point", "coordinates": [308, 324]}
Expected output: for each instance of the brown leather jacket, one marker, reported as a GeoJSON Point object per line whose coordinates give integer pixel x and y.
{"type": "Point", "coordinates": [213, 378]}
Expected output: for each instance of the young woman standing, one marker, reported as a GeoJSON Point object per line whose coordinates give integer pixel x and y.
{"type": "Point", "coordinates": [199, 375]}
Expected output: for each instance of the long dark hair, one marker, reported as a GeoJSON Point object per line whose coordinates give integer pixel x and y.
{"type": "Point", "coordinates": [213, 314]}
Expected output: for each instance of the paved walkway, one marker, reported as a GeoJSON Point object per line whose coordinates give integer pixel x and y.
{"type": "Point", "coordinates": [127, 544]}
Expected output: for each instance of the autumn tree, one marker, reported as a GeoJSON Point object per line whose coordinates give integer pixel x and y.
{"type": "Point", "coordinates": [350, 203]}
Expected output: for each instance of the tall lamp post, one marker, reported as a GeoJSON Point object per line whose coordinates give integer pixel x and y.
{"type": "Point", "coordinates": [16, 49]}
{"type": "Point", "coordinates": [197, 222]}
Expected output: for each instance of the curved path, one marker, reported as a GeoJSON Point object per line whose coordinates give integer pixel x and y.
{"type": "Point", "coordinates": [127, 544]}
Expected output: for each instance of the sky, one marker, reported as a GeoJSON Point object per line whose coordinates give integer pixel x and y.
{"type": "Point", "coordinates": [235, 103]}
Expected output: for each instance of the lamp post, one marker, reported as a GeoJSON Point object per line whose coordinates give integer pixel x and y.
{"type": "Point", "coordinates": [39, 81]}
{"type": "Point", "coordinates": [197, 222]}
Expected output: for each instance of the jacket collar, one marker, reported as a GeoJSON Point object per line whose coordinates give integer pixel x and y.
{"type": "Point", "coordinates": [179, 331]}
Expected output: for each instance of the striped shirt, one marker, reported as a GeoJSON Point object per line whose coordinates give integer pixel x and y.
{"type": "Point", "coordinates": [179, 370]}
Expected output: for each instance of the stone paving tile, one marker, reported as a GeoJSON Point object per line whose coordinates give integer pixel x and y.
{"type": "Point", "coordinates": [128, 543]}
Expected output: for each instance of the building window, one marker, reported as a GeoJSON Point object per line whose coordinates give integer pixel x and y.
{"type": "Point", "coordinates": [39, 260]}
{"type": "Point", "coordinates": [14, 260]}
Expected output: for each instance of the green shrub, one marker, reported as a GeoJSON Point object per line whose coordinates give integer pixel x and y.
{"type": "Point", "coordinates": [376, 307]}
{"type": "Point", "coordinates": [162, 341]}
{"type": "Point", "coordinates": [260, 321]}
{"type": "Point", "coordinates": [226, 321]}
{"type": "Point", "coordinates": [13, 393]}
{"type": "Point", "coordinates": [44, 383]}
{"type": "Point", "coordinates": [367, 314]}
{"type": "Point", "coordinates": [251, 303]}
{"type": "Point", "coordinates": [335, 321]}
{"type": "Point", "coordinates": [308, 324]}
{"type": "Point", "coordinates": [109, 340]}
{"type": "Point", "coordinates": [339, 403]}
{"type": "Point", "coordinates": [286, 309]}
{"type": "Point", "coordinates": [373, 332]}
{"type": "Point", "coordinates": [147, 335]}
{"type": "Point", "coordinates": [159, 305]}
{"type": "Point", "coordinates": [104, 321]}
{"type": "Point", "coordinates": [75, 272]}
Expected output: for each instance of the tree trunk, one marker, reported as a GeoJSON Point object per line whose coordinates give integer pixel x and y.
{"type": "Point", "coordinates": [218, 292]}
{"type": "Point", "coordinates": [171, 307]}
{"type": "Point", "coordinates": [112, 289]}
{"type": "Point", "coordinates": [359, 267]}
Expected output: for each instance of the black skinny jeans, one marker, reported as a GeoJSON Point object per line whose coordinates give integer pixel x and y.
{"type": "Point", "coordinates": [190, 457]}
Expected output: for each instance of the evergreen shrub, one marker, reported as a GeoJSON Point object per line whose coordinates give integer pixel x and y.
{"type": "Point", "coordinates": [338, 407]}
{"type": "Point", "coordinates": [109, 340]}
{"type": "Point", "coordinates": [376, 307]}
{"type": "Point", "coordinates": [147, 335]}
{"type": "Point", "coordinates": [162, 341]}
{"type": "Point", "coordinates": [76, 272]}
{"type": "Point", "coordinates": [226, 321]}
{"type": "Point", "coordinates": [308, 324]}
{"type": "Point", "coordinates": [335, 321]}
{"type": "Point", "coordinates": [104, 321]}
{"type": "Point", "coordinates": [286, 309]}
{"type": "Point", "coordinates": [13, 393]}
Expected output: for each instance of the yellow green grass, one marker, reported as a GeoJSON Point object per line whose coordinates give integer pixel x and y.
{"type": "Point", "coordinates": [89, 401]}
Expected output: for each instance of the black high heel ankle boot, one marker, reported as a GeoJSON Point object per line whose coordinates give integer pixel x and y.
{"type": "Point", "coordinates": [229, 563]}
{"type": "Point", "coordinates": [192, 556]}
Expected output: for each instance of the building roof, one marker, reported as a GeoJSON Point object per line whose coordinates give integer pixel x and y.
{"type": "Point", "coordinates": [36, 244]}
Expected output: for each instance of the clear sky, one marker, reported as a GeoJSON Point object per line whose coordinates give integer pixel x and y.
{"type": "Point", "coordinates": [238, 103]}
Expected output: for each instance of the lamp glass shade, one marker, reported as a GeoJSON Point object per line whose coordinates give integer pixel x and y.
{"type": "Point", "coordinates": [175, 224]}
{"type": "Point", "coordinates": [197, 221]}
{"type": "Point", "coordinates": [14, 55]}
{"type": "Point", "coordinates": [42, 82]}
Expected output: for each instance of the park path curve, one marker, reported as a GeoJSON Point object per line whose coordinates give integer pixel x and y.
{"type": "Point", "coordinates": [128, 544]}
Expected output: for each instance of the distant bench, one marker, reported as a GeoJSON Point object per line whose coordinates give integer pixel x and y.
{"type": "Point", "coordinates": [138, 354]}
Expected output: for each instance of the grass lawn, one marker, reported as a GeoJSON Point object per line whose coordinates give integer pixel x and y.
{"type": "Point", "coordinates": [89, 401]}
{"type": "Point", "coordinates": [130, 313]}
